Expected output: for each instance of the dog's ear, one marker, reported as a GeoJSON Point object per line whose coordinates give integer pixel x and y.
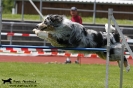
{"type": "Point", "coordinates": [60, 18]}
{"type": "Point", "coordinates": [56, 20]}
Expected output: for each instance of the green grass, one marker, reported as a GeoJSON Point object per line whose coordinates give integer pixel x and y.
{"type": "Point", "coordinates": [19, 17]}
{"type": "Point", "coordinates": [62, 75]}
{"type": "Point", "coordinates": [85, 19]}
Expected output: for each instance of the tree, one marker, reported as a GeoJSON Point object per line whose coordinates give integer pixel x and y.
{"type": "Point", "coordinates": [7, 6]}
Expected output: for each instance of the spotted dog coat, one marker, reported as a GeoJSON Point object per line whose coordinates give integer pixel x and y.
{"type": "Point", "coordinates": [62, 32]}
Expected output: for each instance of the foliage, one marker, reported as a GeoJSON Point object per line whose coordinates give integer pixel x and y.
{"type": "Point", "coordinates": [7, 6]}
{"type": "Point", "coordinates": [87, 20]}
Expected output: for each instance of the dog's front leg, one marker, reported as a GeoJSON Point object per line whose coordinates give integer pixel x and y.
{"type": "Point", "coordinates": [41, 34]}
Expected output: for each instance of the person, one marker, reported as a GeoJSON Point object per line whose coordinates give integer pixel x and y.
{"type": "Point", "coordinates": [75, 18]}
{"type": "Point", "coordinates": [74, 15]}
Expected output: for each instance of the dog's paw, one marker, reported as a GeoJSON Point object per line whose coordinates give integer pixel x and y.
{"type": "Point", "coordinates": [36, 31]}
{"type": "Point", "coordinates": [128, 68]}
{"type": "Point", "coordinates": [42, 34]}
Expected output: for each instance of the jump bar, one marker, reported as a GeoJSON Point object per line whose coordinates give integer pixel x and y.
{"type": "Point", "coordinates": [50, 47]}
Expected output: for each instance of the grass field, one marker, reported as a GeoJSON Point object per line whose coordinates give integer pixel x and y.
{"type": "Point", "coordinates": [85, 19]}
{"type": "Point", "coordinates": [35, 75]}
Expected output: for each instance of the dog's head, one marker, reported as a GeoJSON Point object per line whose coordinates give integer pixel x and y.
{"type": "Point", "coordinates": [10, 79]}
{"type": "Point", "coordinates": [50, 22]}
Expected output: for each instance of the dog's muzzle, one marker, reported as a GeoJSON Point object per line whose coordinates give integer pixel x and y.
{"type": "Point", "coordinates": [41, 28]}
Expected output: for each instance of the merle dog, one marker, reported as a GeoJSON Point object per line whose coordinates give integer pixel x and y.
{"type": "Point", "coordinates": [62, 32]}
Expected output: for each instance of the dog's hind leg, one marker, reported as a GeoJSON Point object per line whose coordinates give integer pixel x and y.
{"type": "Point", "coordinates": [126, 64]}
{"type": "Point", "coordinates": [118, 63]}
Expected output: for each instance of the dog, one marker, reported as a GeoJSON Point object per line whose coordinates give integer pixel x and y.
{"type": "Point", "coordinates": [7, 81]}
{"type": "Point", "coordinates": [62, 32]}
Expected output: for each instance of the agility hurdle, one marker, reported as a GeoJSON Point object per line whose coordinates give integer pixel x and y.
{"type": "Point", "coordinates": [124, 43]}
{"type": "Point", "coordinates": [18, 34]}
{"type": "Point", "coordinates": [50, 47]}
{"type": "Point", "coordinates": [25, 49]}
{"type": "Point", "coordinates": [0, 20]}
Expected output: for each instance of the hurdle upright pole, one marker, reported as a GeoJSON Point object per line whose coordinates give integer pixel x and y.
{"type": "Point", "coordinates": [110, 11]}
{"type": "Point", "coordinates": [36, 8]}
{"type": "Point", "coordinates": [0, 20]}
{"type": "Point", "coordinates": [121, 65]}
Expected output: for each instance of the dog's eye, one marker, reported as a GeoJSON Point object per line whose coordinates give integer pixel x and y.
{"type": "Point", "coordinates": [48, 18]}
{"type": "Point", "coordinates": [45, 22]}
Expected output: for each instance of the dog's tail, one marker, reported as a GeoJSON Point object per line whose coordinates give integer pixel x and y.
{"type": "Point", "coordinates": [114, 32]}
{"type": "Point", "coordinates": [112, 29]}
